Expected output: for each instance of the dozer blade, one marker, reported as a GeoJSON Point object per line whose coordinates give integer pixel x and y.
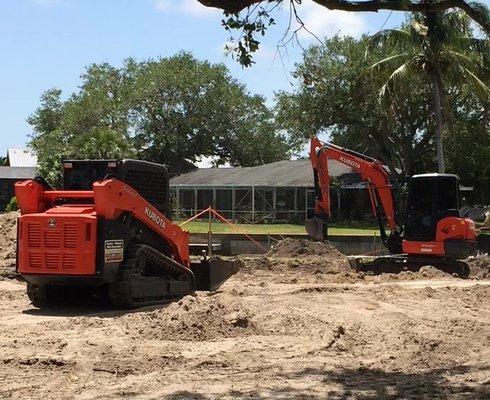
{"type": "Point", "coordinates": [317, 228]}
{"type": "Point", "coordinates": [212, 273]}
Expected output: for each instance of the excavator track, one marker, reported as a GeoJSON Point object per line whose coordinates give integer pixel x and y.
{"type": "Point", "coordinates": [399, 263]}
{"type": "Point", "coordinates": [147, 277]}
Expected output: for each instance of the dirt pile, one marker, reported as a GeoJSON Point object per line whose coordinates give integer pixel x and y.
{"type": "Point", "coordinates": [256, 339]}
{"type": "Point", "coordinates": [8, 236]}
{"type": "Point", "coordinates": [304, 247]}
{"type": "Point", "coordinates": [479, 266]}
{"type": "Point", "coordinates": [197, 317]}
{"type": "Point", "coordinates": [428, 271]}
{"type": "Point", "coordinates": [300, 260]}
{"type": "Point", "coordinates": [294, 270]}
{"type": "Point", "coordinates": [307, 261]}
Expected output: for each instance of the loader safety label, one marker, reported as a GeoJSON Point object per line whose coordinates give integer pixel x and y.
{"type": "Point", "coordinates": [113, 250]}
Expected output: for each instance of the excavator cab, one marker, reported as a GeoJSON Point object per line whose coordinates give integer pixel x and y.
{"type": "Point", "coordinates": [431, 197]}
{"type": "Point", "coordinates": [434, 225]}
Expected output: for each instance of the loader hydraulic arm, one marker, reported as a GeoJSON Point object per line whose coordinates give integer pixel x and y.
{"type": "Point", "coordinates": [113, 197]}
{"type": "Point", "coordinates": [371, 171]}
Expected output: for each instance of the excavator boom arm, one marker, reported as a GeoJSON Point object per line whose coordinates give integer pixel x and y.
{"type": "Point", "coordinates": [371, 171]}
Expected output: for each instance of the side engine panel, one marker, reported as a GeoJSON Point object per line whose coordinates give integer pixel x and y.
{"type": "Point", "coordinates": [55, 243]}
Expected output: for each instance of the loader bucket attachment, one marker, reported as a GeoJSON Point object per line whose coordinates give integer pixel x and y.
{"type": "Point", "coordinates": [317, 228]}
{"type": "Point", "coordinates": [212, 273]}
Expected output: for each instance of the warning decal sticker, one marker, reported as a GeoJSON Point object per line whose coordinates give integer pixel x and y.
{"type": "Point", "coordinates": [114, 251]}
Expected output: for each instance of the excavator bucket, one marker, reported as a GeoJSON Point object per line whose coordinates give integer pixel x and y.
{"type": "Point", "coordinates": [317, 228]}
{"type": "Point", "coordinates": [212, 273]}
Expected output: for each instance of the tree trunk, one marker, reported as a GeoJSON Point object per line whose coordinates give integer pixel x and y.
{"type": "Point", "coordinates": [436, 92]}
{"type": "Point", "coordinates": [433, 20]}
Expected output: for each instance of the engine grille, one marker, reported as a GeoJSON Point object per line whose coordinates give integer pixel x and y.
{"type": "Point", "coordinates": [52, 260]}
{"type": "Point", "coordinates": [69, 261]}
{"type": "Point", "coordinates": [57, 244]}
{"type": "Point", "coordinates": [52, 238]}
{"type": "Point", "coordinates": [70, 236]}
{"type": "Point", "coordinates": [34, 234]}
{"type": "Point", "coordinates": [36, 260]}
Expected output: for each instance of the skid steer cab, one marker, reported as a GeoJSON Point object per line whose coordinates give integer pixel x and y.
{"type": "Point", "coordinates": [108, 233]}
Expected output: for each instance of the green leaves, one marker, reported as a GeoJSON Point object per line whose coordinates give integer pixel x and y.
{"type": "Point", "coordinates": [252, 18]}
{"type": "Point", "coordinates": [394, 38]}
{"type": "Point", "coordinates": [254, 22]}
{"type": "Point", "coordinates": [379, 101]}
{"type": "Point", "coordinates": [162, 110]}
{"type": "Point", "coordinates": [416, 50]}
{"type": "Point", "coordinates": [338, 97]}
{"type": "Point", "coordinates": [480, 87]}
{"type": "Point", "coordinates": [389, 60]}
{"type": "Point", "coordinates": [436, 48]}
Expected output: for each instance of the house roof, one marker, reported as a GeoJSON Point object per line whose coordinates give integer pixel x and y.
{"type": "Point", "coordinates": [282, 173]}
{"type": "Point", "coordinates": [17, 173]}
{"type": "Point", "coordinates": [21, 158]}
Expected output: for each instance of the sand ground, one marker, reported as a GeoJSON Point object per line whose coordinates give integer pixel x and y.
{"type": "Point", "coordinates": [257, 338]}
{"type": "Point", "coordinates": [296, 324]}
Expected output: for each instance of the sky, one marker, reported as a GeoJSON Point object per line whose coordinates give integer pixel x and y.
{"type": "Point", "coordinates": [48, 43]}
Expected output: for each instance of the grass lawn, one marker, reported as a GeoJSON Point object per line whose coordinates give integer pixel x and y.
{"type": "Point", "coordinates": [276, 229]}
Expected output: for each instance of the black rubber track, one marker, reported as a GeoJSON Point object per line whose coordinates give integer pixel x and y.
{"type": "Point", "coordinates": [132, 272]}
{"type": "Point", "coordinates": [397, 264]}
{"type": "Point", "coordinates": [38, 295]}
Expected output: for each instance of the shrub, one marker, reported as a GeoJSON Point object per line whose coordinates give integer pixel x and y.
{"type": "Point", "coordinates": [12, 205]}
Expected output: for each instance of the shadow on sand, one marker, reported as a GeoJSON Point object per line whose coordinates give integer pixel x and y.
{"type": "Point", "coordinates": [90, 309]}
{"type": "Point", "coordinates": [367, 384]}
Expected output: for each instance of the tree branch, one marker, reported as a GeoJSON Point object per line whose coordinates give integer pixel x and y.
{"type": "Point", "coordinates": [476, 12]}
{"type": "Point", "coordinates": [229, 6]}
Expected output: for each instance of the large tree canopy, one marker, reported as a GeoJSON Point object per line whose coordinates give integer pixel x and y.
{"type": "Point", "coordinates": [259, 15]}
{"type": "Point", "coordinates": [440, 47]}
{"type": "Point", "coordinates": [338, 95]}
{"type": "Point", "coordinates": [161, 110]}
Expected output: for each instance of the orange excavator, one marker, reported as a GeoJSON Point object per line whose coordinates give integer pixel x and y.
{"type": "Point", "coordinates": [434, 232]}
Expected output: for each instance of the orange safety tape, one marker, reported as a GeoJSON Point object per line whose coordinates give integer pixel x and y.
{"type": "Point", "coordinates": [209, 209]}
{"type": "Point", "coordinates": [195, 216]}
{"type": "Point", "coordinates": [234, 227]}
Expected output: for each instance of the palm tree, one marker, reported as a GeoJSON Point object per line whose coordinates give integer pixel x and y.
{"type": "Point", "coordinates": [440, 46]}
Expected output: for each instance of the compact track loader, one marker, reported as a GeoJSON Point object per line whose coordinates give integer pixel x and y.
{"type": "Point", "coordinates": [108, 232]}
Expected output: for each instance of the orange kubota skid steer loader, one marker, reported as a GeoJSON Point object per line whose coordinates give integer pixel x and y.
{"type": "Point", "coordinates": [108, 231]}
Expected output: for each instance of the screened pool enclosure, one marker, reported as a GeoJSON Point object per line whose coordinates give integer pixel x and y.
{"type": "Point", "coordinates": [277, 192]}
